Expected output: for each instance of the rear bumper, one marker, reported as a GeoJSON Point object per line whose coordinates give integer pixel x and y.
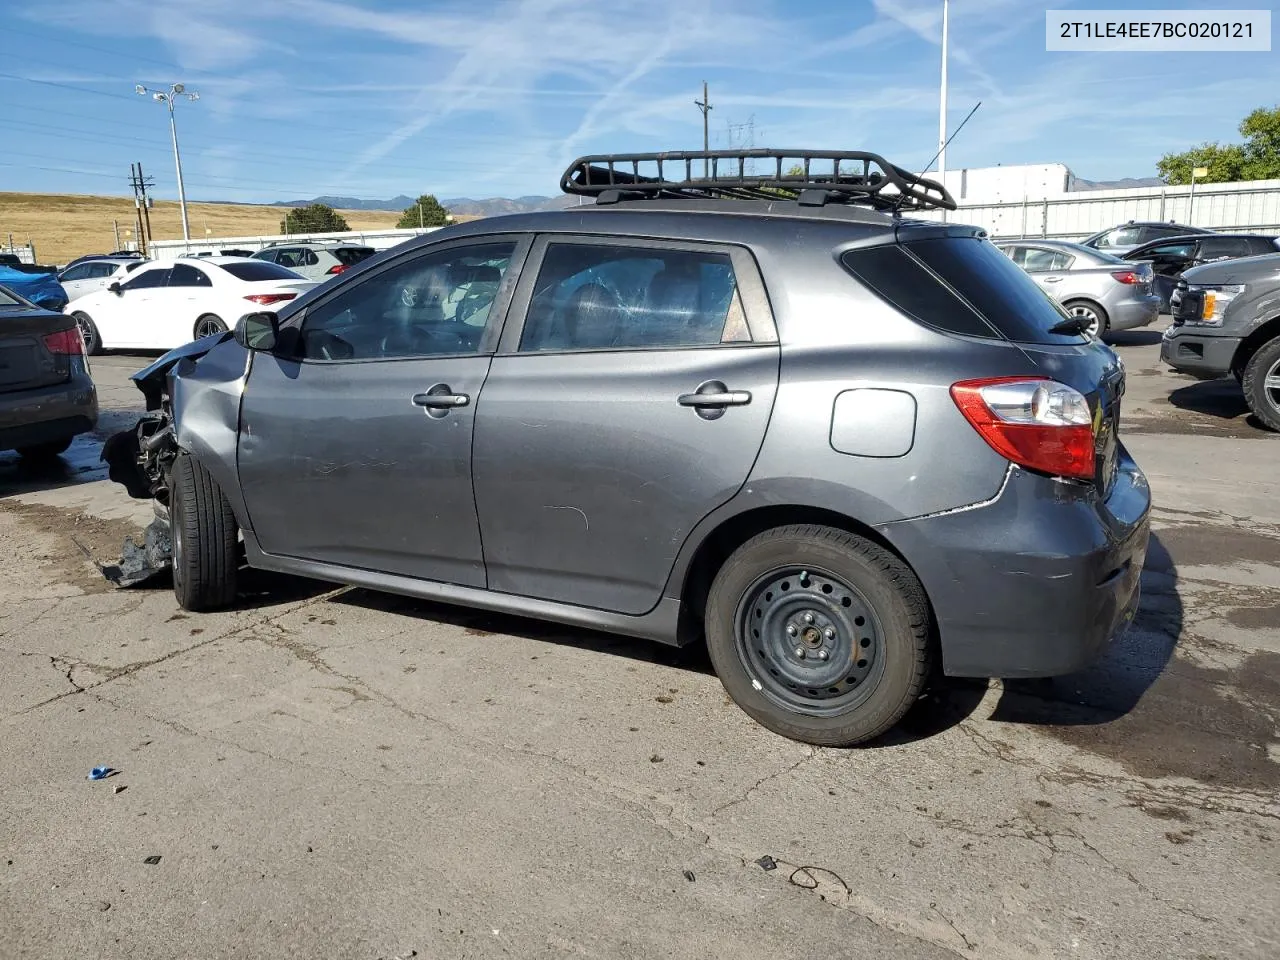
{"type": "Point", "coordinates": [1037, 582]}
{"type": "Point", "coordinates": [48, 414]}
{"type": "Point", "coordinates": [1138, 312]}
{"type": "Point", "coordinates": [1198, 352]}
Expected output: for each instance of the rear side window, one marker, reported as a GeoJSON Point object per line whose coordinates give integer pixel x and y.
{"type": "Point", "coordinates": [259, 270]}
{"type": "Point", "coordinates": [350, 256]}
{"type": "Point", "coordinates": [960, 285]}
{"type": "Point", "coordinates": [1224, 247]}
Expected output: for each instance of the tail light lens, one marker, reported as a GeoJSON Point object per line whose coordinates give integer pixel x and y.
{"type": "Point", "coordinates": [266, 299]}
{"type": "Point", "coordinates": [1128, 276]}
{"type": "Point", "coordinates": [337, 268]}
{"type": "Point", "coordinates": [65, 343]}
{"type": "Point", "coordinates": [1037, 423]}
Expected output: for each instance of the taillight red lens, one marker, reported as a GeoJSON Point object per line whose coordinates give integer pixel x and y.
{"type": "Point", "coordinates": [337, 268]}
{"type": "Point", "coordinates": [266, 299]}
{"type": "Point", "coordinates": [1127, 276]}
{"type": "Point", "coordinates": [1037, 423]}
{"type": "Point", "coordinates": [65, 343]}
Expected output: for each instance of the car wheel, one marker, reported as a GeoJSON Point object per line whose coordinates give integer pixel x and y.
{"type": "Point", "coordinates": [1099, 322]}
{"type": "Point", "coordinates": [1261, 384]}
{"type": "Point", "coordinates": [208, 326]}
{"type": "Point", "coordinates": [205, 549]}
{"type": "Point", "coordinates": [44, 452]}
{"type": "Point", "coordinates": [819, 635]}
{"type": "Point", "coordinates": [88, 333]}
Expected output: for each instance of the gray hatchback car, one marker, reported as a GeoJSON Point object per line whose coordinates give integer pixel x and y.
{"type": "Point", "coordinates": [844, 446]}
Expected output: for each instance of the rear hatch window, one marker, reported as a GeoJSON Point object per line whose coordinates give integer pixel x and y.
{"type": "Point", "coordinates": [961, 285]}
{"type": "Point", "coordinates": [350, 256]}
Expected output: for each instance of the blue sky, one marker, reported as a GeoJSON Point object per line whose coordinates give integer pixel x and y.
{"type": "Point", "coordinates": [482, 98]}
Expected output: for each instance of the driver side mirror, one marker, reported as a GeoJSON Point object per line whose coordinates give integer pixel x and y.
{"type": "Point", "coordinates": [258, 331]}
{"type": "Point", "coordinates": [114, 287]}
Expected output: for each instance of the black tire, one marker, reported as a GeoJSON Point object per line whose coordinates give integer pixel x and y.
{"type": "Point", "coordinates": [44, 452]}
{"type": "Point", "coordinates": [205, 546]}
{"type": "Point", "coordinates": [207, 326]}
{"type": "Point", "coordinates": [1093, 310]}
{"type": "Point", "coordinates": [810, 559]}
{"type": "Point", "coordinates": [88, 333]}
{"type": "Point", "coordinates": [1264, 401]}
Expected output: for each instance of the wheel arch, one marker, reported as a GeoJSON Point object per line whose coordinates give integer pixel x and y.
{"type": "Point", "coordinates": [1089, 302]}
{"type": "Point", "coordinates": [1264, 333]}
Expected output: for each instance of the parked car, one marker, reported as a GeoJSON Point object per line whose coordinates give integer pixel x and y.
{"type": "Point", "coordinates": [163, 304]}
{"type": "Point", "coordinates": [1126, 236]}
{"type": "Point", "coordinates": [844, 446]}
{"type": "Point", "coordinates": [46, 394]}
{"type": "Point", "coordinates": [316, 260]}
{"type": "Point", "coordinates": [114, 255]}
{"type": "Point", "coordinates": [41, 288]}
{"type": "Point", "coordinates": [90, 276]}
{"type": "Point", "coordinates": [1105, 291]}
{"type": "Point", "coordinates": [1226, 320]}
{"type": "Point", "coordinates": [1169, 258]}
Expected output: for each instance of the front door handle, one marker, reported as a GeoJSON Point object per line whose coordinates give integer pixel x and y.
{"type": "Point", "coordinates": [439, 399]}
{"type": "Point", "coordinates": [723, 398]}
{"type": "Point", "coordinates": [1052, 279]}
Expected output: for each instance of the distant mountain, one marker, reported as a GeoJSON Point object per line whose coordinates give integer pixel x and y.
{"type": "Point", "coordinates": [493, 207]}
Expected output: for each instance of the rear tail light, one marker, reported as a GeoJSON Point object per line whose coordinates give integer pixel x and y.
{"type": "Point", "coordinates": [65, 343]}
{"type": "Point", "coordinates": [1129, 276]}
{"type": "Point", "coordinates": [1037, 423]}
{"type": "Point", "coordinates": [266, 299]}
{"type": "Point", "coordinates": [337, 268]}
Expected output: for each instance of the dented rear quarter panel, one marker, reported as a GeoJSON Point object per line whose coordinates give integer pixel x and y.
{"type": "Point", "coordinates": [205, 394]}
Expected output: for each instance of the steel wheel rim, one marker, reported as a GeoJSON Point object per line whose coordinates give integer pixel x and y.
{"type": "Point", "coordinates": [207, 327]}
{"type": "Point", "coordinates": [788, 619]}
{"type": "Point", "coordinates": [1095, 322]}
{"type": "Point", "coordinates": [86, 333]}
{"type": "Point", "coordinates": [1271, 386]}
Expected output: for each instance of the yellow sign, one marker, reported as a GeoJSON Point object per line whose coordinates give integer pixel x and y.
{"type": "Point", "coordinates": [1200, 172]}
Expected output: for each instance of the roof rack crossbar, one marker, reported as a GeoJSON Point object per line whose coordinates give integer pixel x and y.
{"type": "Point", "coordinates": [854, 176]}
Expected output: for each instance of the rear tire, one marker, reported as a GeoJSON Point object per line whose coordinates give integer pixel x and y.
{"type": "Point", "coordinates": [1262, 369]}
{"type": "Point", "coordinates": [44, 452]}
{"type": "Point", "coordinates": [88, 333]}
{"type": "Point", "coordinates": [207, 326]}
{"type": "Point", "coordinates": [1099, 322]}
{"type": "Point", "coordinates": [819, 590]}
{"type": "Point", "coordinates": [205, 547]}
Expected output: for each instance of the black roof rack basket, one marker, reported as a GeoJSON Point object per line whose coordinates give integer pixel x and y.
{"type": "Point", "coordinates": [826, 176]}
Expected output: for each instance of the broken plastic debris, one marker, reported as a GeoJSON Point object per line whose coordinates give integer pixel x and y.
{"type": "Point", "coordinates": [99, 773]}
{"type": "Point", "coordinates": [140, 563]}
{"type": "Point", "coordinates": [767, 863]}
{"type": "Point", "coordinates": [688, 875]}
{"type": "Point", "coordinates": [151, 860]}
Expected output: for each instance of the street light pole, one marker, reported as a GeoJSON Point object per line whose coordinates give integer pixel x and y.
{"type": "Point", "coordinates": [168, 98]}
{"type": "Point", "coordinates": [942, 107]}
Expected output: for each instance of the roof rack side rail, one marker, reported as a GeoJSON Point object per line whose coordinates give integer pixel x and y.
{"type": "Point", "coordinates": [825, 176]}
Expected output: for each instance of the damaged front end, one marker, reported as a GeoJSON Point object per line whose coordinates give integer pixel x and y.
{"type": "Point", "coordinates": [141, 458]}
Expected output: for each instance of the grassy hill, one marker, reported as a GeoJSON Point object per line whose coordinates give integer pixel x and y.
{"type": "Point", "coordinates": [64, 226]}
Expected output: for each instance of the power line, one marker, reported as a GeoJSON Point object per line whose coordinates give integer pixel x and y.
{"type": "Point", "coordinates": [67, 86]}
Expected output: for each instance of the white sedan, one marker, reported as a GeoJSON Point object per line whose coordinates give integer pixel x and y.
{"type": "Point", "coordinates": [163, 305]}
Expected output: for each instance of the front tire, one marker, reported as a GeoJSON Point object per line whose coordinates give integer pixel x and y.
{"type": "Point", "coordinates": [818, 634]}
{"type": "Point", "coordinates": [1261, 384]}
{"type": "Point", "coordinates": [208, 326]}
{"type": "Point", "coordinates": [205, 547]}
{"type": "Point", "coordinates": [88, 333]}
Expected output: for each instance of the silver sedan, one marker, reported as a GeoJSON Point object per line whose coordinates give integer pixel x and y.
{"type": "Point", "coordinates": [1109, 293]}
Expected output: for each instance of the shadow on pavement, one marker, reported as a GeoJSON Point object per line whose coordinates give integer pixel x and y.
{"type": "Point", "coordinates": [81, 463]}
{"type": "Point", "coordinates": [1215, 398]}
{"type": "Point", "coordinates": [1134, 338]}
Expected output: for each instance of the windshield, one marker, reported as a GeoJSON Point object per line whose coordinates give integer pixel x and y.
{"type": "Point", "coordinates": [259, 270]}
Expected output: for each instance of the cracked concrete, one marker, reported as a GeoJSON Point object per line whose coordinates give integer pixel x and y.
{"type": "Point", "coordinates": [332, 772]}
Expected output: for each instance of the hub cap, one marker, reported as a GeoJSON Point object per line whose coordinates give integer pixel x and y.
{"type": "Point", "coordinates": [207, 327]}
{"type": "Point", "coordinates": [86, 334]}
{"type": "Point", "coordinates": [1089, 314]}
{"type": "Point", "coordinates": [809, 641]}
{"type": "Point", "coordinates": [1271, 385]}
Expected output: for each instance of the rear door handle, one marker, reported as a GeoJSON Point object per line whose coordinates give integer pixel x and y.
{"type": "Point", "coordinates": [1052, 279]}
{"type": "Point", "coordinates": [723, 398]}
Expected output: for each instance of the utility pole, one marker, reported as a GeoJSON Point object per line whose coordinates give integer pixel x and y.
{"type": "Point", "coordinates": [705, 106]}
{"type": "Point", "coordinates": [115, 225]}
{"type": "Point", "coordinates": [143, 183]}
{"type": "Point", "coordinates": [942, 108]}
{"type": "Point", "coordinates": [421, 224]}
{"type": "Point", "coordinates": [135, 181]}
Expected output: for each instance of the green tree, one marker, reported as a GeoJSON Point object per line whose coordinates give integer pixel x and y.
{"type": "Point", "coordinates": [314, 218]}
{"type": "Point", "coordinates": [425, 212]}
{"type": "Point", "coordinates": [1257, 158]}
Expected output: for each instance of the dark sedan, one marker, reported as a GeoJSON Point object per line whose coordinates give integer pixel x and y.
{"type": "Point", "coordinates": [46, 394]}
{"type": "Point", "coordinates": [1170, 256]}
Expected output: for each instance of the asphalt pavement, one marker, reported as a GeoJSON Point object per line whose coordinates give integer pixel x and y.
{"type": "Point", "coordinates": [336, 773]}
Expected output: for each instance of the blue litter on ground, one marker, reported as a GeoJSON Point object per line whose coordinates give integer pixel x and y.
{"type": "Point", "coordinates": [99, 773]}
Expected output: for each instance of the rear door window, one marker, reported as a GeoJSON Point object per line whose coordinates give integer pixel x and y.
{"type": "Point", "coordinates": [1039, 260]}
{"type": "Point", "coordinates": [960, 285]}
{"type": "Point", "coordinates": [185, 275]}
